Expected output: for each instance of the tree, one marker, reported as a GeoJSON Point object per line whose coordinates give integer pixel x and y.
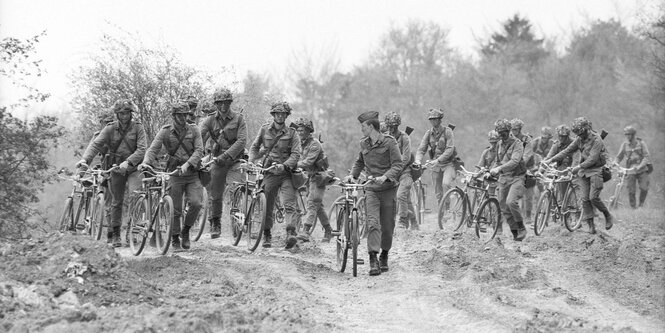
{"type": "Point", "coordinates": [516, 44]}
{"type": "Point", "coordinates": [18, 64]}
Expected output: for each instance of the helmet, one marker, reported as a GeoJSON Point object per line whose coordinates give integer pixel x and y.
{"type": "Point", "coordinates": [502, 125]}
{"type": "Point", "coordinates": [280, 107]}
{"type": "Point", "coordinates": [629, 130]}
{"type": "Point", "coordinates": [579, 124]}
{"type": "Point", "coordinates": [435, 114]}
{"type": "Point", "coordinates": [516, 123]}
{"type": "Point", "coordinates": [546, 131]}
{"type": "Point", "coordinates": [306, 123]}
{"type": "Point", "coordinates": [562, 130]}
{"type": "Point", "coordinates": [191, 101]}
{"type": "Point", "coordinates": [493, 136]}
{"type": "Point", "coordinates": [106, 117]}
{"type": "Point", "coordinates": [221, 95]}
{"type": "Point", "coordinates": [393, 119]}
{"type": "Point", "coordinates": [124, 105]}
{"type": "Point", "coordinates": [180, 107]}
{"type": "Point", "coordinates": [206, 107]}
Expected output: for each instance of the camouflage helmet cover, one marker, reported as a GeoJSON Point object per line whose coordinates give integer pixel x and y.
{"type": "Point", "coordinates": [516, 123]}
{"type": "Point", "coordinates": [629, 130]}
{"type": "Point", "coordinates": [191, 101]}
{"type": "Point", "coordinates": [493, 136]}
{"type": "Point", "coordinates": [579, 124]}
{"type": "Point", "coordinates": [306, 123]}
{"type": "Point", "coordinates": [562, 130]}
{"type": "Point", "coordinates": [106, 117]}
{"type": "Point", "coordinates": [222, 95]}
{"type": "Point", "coordinates": [502, 125]}
{"type": "Point", "coordinates": [180, 107]}
{"type": "Point", "coordinates": [206, 106]}
{"type": "Point", "coordinates": [393, 119]}
{"type": "Point", "coordinates": [546, 131]}
{"type": "Point", "coordinates": [124, 105]}
{"type": "Point", "coordinates": [282, 107]}
{"type": "Point", "coordinates": [434, 113]}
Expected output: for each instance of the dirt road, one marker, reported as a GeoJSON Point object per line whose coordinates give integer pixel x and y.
{"type": "Point", "coordinates": [558, 282]}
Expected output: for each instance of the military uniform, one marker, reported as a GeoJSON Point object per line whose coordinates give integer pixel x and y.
{"type": "Point", "coordinates": [405, 210]}
{"type": "Point", "coordinates": [439, 141]}
{"type": "Point", "coordinates": [530, 160]}
{"type": "Point", "coordinates": [637, 155]}
{"type": "Point", "coordinates": [510, 162]}
{"type": "Point", "coordinates": [312, 162]}
{"type": "Point", "coordinates": [541, 146]}
{"type": "Point", "coordinates": [562, 164]}
{"type": "Point", "coordinates": [487, 159]}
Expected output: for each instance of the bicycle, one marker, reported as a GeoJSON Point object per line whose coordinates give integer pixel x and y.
{"type": "Point", "coordinates": [418, 196]}
{"type": "Point", "coordinates": [472, 204]}
{"type": "Point", "coordinates": [279, 213]}
{"type": "Point", "coordinates": [548, 203]}
{"type": "Point", "coordinates": [200, 224]}
{"type": "Point", "coordinates": [151, 213]}
{"type": "Point", "coordinates": [615, 199]}
{"type": "Point", "coordinates": [362, 213]}
{"type": "Point", "coordinates": [347, 216]}
{"type": "Point", "coordinates": [94, 210]}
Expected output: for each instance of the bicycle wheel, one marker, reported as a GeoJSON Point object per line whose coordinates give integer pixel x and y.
{"type": "Point", "coordinates": [614, 199]}
{"type": "Point", "coordinates": [355, 240]}
{"type": "Point", "coordinates": [66, 218]}
{"type": "Point", "coordinates": [200, 224]}
{"type": "Point", "coordinates": [452, 209]}
{"type": "Point", "coordinates": [76, 227]}
{"type": "Point", "coordinates": [542, 212]}
{"type": "Point", "coordinates": [362, 218]}
{"type": "Point", "coordinates": [278, 211]}
{"type": "Point", "coordinates": [256, 221]}
{"type": "Point", "coordinates": [165, 225]}
{"type": "Point", "coordinates": [488, 220]}
{"type": "Point", "coordinates": [417, 201]}
{"type": "Point", "coordinates": [237, 215]}
{"type": "Point", "coordinates": [98, 216]}
{"type": "Point", "coordinates": [571, 210]}
{"type": "Point", "coordinates": [342, 240]}
{"type": "Point", "coordinates": [139, 224]}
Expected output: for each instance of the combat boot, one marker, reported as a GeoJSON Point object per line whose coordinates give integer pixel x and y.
{"type": "Point", "coordinates": [374, 267]}
{"type": "Point", "coordinates": [215, 228]}
{"type": "Point", "coordinates": [184, 235]}
{"type": "Point", "coordinates": [304, 236]}
{"type": "Point", "coordinates": [414, 224]}
{"type": "Point", "coordinates": [117, 242]}
{"type": "Point", "coordinates": [643, 197]}
{"type": "Point", "coordinates": [609, 221]}
{"type": "Point", "coordinates": [521, 232]}
{"type": "Point", "coordinates": [291, 239]}
{"type": "Point", "coordinates": [267, 238]}
{"type": "Point", "coordinates": [327, 234]}
{"type": "Point", "coordinates": [383, 261]}
{"type": "Point", "coordinates": [109, 236]}
{"type": "Point", "coordinates": [175, 243]}
{"type": "Point", "coordinates": [592, 226]}
{"type": "Point", "coordinates": [631, 200]}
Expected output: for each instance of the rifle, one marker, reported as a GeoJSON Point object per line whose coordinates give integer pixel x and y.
{"type": "Point", "coordinates": [451, 126]}
{"type": "Point", "coordinates": [408, 130]}
{"type": "Point", "coordinates": [603, 133]}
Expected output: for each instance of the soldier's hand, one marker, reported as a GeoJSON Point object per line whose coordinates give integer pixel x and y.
{"type": "Point", "coordinates": [495, 171]}
{"type": "Point", "coordinates": [142, 166]}
{"type": "Point", "coordinates": [380, 180]}
{"type": "Point", "coordinates": [279, 167]}
{"type": "Point", "coordinates": [575, 169]}
{"type": "Point", "coordinates": [348, 179]}
{"type": "Point", "coordinates": [184, 167]}
{"type": "Point", "coordinates": [123, 166]}
{"type": "Point", "coordinates": [80, 163]}
{"type": "Point", "coordinates": [547, 161]}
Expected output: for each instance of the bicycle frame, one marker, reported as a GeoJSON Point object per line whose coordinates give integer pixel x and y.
{"type": "Point", "coordinates": [615, 199]}
{"type": "Point", "coordinates": [551, 178]}
{"type": "Point", "coordinates": [350, 235]}
{"type": "Point", "coordinates": [85, 188]}
{"type": "Point", "coordinates": [480, 193]}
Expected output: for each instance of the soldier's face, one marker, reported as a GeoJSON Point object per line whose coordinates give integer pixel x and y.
{"type": "Point", "coordinates": [124, 116]}
{"type": "Point", "coordinates": [179, 119]}
{"type": "Point", "coordinates": [504, 135]}
{"type": "Point", "coordinates": [563, 138]}
{"type": "Point", "coordinates": [630, 137]}
{"type": "Point", "coordinates": [223, 106]}
{"type": "Point", "coordinates": [279, 117]}
{"type": "Point", "coordinates": [303, 133]}
{"type": "Point", "coordinates": [516, 130]}
{"type": "Point", "coordinates": [435, 122]}
{"type": "Point", "coordinates": [365, 128]}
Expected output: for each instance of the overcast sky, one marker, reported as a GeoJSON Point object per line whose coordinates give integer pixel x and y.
{"type": "Point", "coordinates": [262, 35]}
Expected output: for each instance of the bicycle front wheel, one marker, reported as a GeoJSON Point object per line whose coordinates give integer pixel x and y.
{"type": "Point", "coordinates": [200, 224]}
{"type": "Point", "coordinates": [139, 224]}
{"type": "Point", "coordinates": [572, 212]}
{"type": "Point", "coordinates": [342, 240]}
{"type": "Point", "coordinates": [98, 216]}
{"type": "Point", "coordinates": [66, 217]}
{"type": "Point", "coordinates": [542, 213]}
{"type": "Point", "coordinates": [256, 220]}
{"type": "Point", "coordinates": [355, 240]}
{"type": "Point", "coordinates": [165, 226]}
{"type": "Point", "coordinates": [452, 209]}
{"type": "Point", "coordinates": [488, 220]}
{"type": "Point", "coordinates": [362, 217]}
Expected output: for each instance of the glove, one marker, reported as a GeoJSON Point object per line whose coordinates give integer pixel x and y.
{"type": "Point", "coordinates": [80, 163]}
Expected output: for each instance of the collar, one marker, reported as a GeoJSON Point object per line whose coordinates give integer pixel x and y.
{"type": "Point", "coordinates": [229, 115]}
{"type": "Point", "coordinates": [438, 129]}
{"type": "Point", "coordinates": [118, 126]}
{"type": "Point", "coordinates": [307, 140]}
{"type": "Point", "coordinates": [274, 129]}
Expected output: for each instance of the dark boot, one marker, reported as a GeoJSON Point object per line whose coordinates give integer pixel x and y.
{"type": "Point", "coordinates": [521, 232]}
{"type": "Point", "coordinates": [414, 223]}
{"type": "Point", "coordinates": [304, 235]}
{"type": "Point", "coordinates": [631, 200]}
{"type": "Point", "coordinates": [185, 237]}
{"type": "Point", "coordinates": [175, 243]}
{"type": "Point", "coordinates": [109, 236]}
{"type": "Point", "coordinates": [291, 239]}
{"type": "Point", "coordinates": [327, 234]}
{"type": "Point", "coordinates": [267, 238]}
{"type": "Point", "coordinates": [383, 261]}
{"type": "Point", "coordinates": [609, 221]}
{"type": "Point", "coordinates": [215, 228]}
{"type": "Point", "coordinates": [592, 226]}
{"type": "Point", "coordinates": [643, 197]}
{"type": "Point", "coordinates": [374, 267]}
{"type": "Point", "coordinates": [117, 242]}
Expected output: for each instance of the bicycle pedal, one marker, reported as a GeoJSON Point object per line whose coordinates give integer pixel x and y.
{"type": "Point", "coordinates": [360, 261]}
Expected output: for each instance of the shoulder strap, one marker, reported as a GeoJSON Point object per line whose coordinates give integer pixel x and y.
{"type": "Point", "coordinates": [123, 135]}
{"type": "Point", "coordinates": [180, 144]}
{"type": "Point", "coordinates": [272, 145]}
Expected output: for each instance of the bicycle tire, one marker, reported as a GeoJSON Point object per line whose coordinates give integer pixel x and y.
{"type": "Point", "coordinates": [139, 225]}
{"type": "Point", "coordinates": [165, 226]}
{"type": "Point", "coordinates": [256, 220]}
{"type": "Point", "coordinates": [355, 240]}
{"type": "Point", "coordinates": [542, 212]}
{"type": "Point", "coordinates": [278, 211]}
{"type": "Point", "coordinates": [614, 199]}
{"type": "Point", "coordinates": [417, 202]}
{"type": "Point", "coordinates": [362, 217]}
{"type": "Point", "coordinates": [200, 224]}
{"type": "Point", "coordinates": [66, 216]}
{"type": "Point", "coordinates": [488, 220]}
{"type": "Point", "coordinates": [342, 240]}
{"type": "Point", "coordinates": [237, 218]}
{"type": "Point", "coordinates": [98, 215]}
{"type": "Point", "coordinates": [77, 217]}
{"type": "Point", "coordinates": [453, 200]}
{"type": "Point", "coordinates": [571, 211]}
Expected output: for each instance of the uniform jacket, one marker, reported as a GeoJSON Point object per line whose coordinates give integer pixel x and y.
{"type": "Point", "coordinates": [379, 158]}
{"type": "Point", "coordinates": [509, 159]}
{"type": "Point", "coordinates": [286, 151]}
{"type": "Point", "coordinates": [488, 157]}
{"type": "Point", "coordinates": [312, 153]}
{"type": "Point", "coordinates": [592, 154]}
{"type": "Point", "coordinates": [528, 149]}
{"type": "Point", "coordinates": [131, 149]}
{"type": "Point", "coordinates": [558, 146]}
{"type": "Point", "coordinates": [404, 145]}
{"type": "Point", "coordinates": [227, 134]}
{"type": "Point", "coordinates": [439, 141]}
{"type": "Point", "coordinates": [636, 155]}
{"type": "Point", "coordinates": [190, 151]}
{"type": "Point", "coordinates": [542, 147]}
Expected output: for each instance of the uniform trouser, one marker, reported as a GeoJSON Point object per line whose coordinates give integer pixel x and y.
{"type": "Point", "coordinates": [509, 193]}
{"type": "Point", "coordinates": [589, 189]}
{"type": "Point", "coordinates": [191, 187]}
{"type": "Point", "coordinates": [405, 210]}
{"type": "Point", "coordinates": [287, 195]}
{"type": "Point", "coordinates": [117, 185]}
{"type": "Point", "coordinates": [632, 182]}
{"type": "Point", "coordinates": [529, 193]}
{"type": "Point", "coordinates": [442, 181]}
{"type": "Point", "coordinates": [381, 209]}
{"type": "Point", "coordinates": [315, 204]}
{"type": "Point", "coordinates": [218, 176]}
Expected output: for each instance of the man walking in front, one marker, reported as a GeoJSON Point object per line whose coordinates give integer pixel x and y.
{"type": "Point", "coordinates": [636, 153]}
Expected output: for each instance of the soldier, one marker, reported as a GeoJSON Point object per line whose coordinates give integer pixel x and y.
{"type": "Point", "coordinates": [439, 141]}
{"type": "Point", "coordinates": [126, 144]}
{"type": "Point", "coordinates": [542, 144]}
{"type": "Point", "coordinates": [488, 157]}
{"type": "Point", "coordinates": [227, 132]}
{"type": "Point", "coordinates": [405, 210]}
{"type": "Point", "coordinates": [315, 163]}
{"type": "Point", "coordinates": [509, 166]}
{"type": "Point", "coordinates": [516, 124]}
{"type": "Point", "coordinates": [563, 133]}
{"type": "Point", "coordinates": [590, 181]}
{"type": "Point", "coordinates": [379, 156]}
{"type": "Point", "coordinates": [637, 158]}
{"type": "Point", "coordinates": [280, 147]}
{"type": "Point", "coordinates": [192, 115]}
